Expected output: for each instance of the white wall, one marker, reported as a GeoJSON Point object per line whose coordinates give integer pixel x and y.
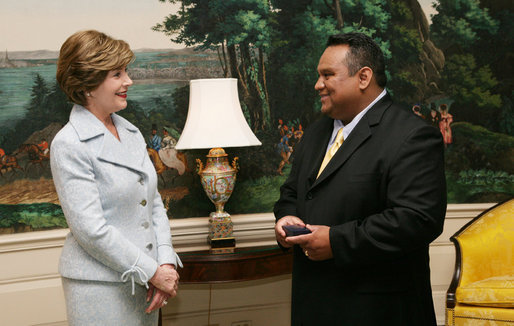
{"type": "Point", "coordinates": [31, 293]}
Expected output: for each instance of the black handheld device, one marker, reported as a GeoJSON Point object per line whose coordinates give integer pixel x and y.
{"type": "Point", "coordinates": [294, 230]}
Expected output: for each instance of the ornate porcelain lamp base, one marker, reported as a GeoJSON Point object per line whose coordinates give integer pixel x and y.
{"type": "Point", "coordinates": [218, 179]}
{"type": "Point", "coordinates": [220, 233]}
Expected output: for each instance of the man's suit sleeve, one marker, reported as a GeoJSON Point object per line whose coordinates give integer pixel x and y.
{"type": "Point", "coordinates": [415, 205]}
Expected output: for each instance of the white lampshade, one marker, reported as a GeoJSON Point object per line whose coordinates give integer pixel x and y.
{"type": "Point", "coordinates": [215, 118]}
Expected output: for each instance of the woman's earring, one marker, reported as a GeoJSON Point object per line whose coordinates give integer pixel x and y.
{"type": "Point", "coordinates": [88, 94]}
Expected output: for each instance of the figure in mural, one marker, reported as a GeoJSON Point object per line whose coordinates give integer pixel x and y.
{"type": "Point", "coordinates": [298, 134]}
{"type": "Point", "coordinates": [370, 215]}
{"type": "Point", "coordinates": [291, 141]}
{"type": "Point", "coordinates": [445, 124]}
{"type": "Point", "coordinates": [281, 127]}
{"type": "Point", "coordinates": [118, 263]}
{"type": "Point", "coordinates": [285, 150]}
{"type": "Point", "coordinates": [155, 139]}
{"type": "Point", "coordinates": [8, 162]}
{"type": "Point", "coordinates": [35, 154]}
{"type": "Point", "coordinates": [435, 116]}
{"type": "Point", "coordinates": [169, 155]}
{"type": "Point", "coordinates": [43, 146]}
{"type": "Point", "coordinates": [295, 140]}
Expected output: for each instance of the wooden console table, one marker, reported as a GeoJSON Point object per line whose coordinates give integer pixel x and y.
{"type": "Point", "coordinates": [244, 264]}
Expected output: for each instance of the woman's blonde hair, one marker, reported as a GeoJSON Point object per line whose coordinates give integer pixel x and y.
{"type": "Point", "coordinates": [85, 59]}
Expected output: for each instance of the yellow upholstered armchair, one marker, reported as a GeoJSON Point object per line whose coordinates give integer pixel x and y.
{"type": "Point", "coordinates": [482, 289]}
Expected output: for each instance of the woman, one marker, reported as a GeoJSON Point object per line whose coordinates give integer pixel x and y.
{"type": "Point", "coordinates": [444, 125]}
{"type": "Point", "coordinates": [117, 263]}
{"type": "Point", "coordinates": [168, 154]}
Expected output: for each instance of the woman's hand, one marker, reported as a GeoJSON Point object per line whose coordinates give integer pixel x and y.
{"type": "Point", "coordinates": [159, 299]}
{"type": "Point", "coordinates": [166, 279]}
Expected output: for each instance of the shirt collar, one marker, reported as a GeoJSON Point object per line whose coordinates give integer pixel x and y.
{"type": "Point", "coordinates": [347, 129]}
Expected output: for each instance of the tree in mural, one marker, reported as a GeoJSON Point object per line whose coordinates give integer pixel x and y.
{"type": "Point", "coordinates": [416, 64]}
{"type": "Point", "coordinates": [273, 48]}
{"type": "Point", "coordinates": [47, 104]}
{"type": "Point", "coordinates": [457, 23]}
{"type": "Point", "coordinates": [238, 30]}
{"type": "Point", "coordinates": [300, 31]}
{"type": "Point", "coordinates": [254, 37]}
{"type": "Point", "coordinates": [298, 39]}
{"type": "Point", "coordinates": [38, 93]}
{"type": "Point", "coordinates": [460, 28]}
{"type": "Point", "coordinates": [477, 44]}
{"type": "Point", "coordinates": [400, 27]}
{"type": "Point", "coordinates": [498, 53]}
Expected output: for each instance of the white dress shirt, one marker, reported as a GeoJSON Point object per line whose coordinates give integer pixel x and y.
{"type": "Point", "coordinates": [338, 124]}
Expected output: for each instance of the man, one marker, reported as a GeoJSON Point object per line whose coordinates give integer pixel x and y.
{"type": "Point", "coordinates": [374, 207]}
{"type": "Point", "coordinates": [155, 140]}
{"type": "Point", "coordinates": [43, 146]}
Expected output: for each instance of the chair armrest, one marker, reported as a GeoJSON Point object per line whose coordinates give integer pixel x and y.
{"type": "Point", "coordinates": [451, 299]}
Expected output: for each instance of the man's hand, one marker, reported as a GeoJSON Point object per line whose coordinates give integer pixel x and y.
{"type": "Point", "coordinates": [280, 234]}
{"type": "Point", "coordinates": [316, 245]}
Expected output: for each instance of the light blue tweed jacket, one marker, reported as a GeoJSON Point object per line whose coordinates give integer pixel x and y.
{"type": "Point", "coordinates": [107, 188]}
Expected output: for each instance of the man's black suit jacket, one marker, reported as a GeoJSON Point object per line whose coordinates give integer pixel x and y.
{"type": "Point", "coordinates": [384, 196]}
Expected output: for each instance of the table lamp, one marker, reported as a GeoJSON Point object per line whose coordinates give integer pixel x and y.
{"type": "Point", "coordinates": [215, 120]}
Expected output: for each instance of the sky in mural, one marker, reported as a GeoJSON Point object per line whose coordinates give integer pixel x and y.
{"type": "Point", "coordinates": [29, 25]}
{"type": "Point", "coordinates": [45, 25]}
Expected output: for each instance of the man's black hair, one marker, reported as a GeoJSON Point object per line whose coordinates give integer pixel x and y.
{"type": "Point", "coordinates": [364, 52]}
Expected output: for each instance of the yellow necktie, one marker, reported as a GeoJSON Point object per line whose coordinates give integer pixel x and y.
{"type": "Point", "coordinates": [332, 150]}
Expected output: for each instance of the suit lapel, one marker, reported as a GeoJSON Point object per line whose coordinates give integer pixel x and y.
{"type": "Point", "coordinates": [127, 153]}
{"type": "Point", "coordinates": [361, 132]}
{"type": "Point", "coordinates": [321, 137]}
{"type": "Point", "coordinates": [130, 152]}
{"type": "Point", "coordinates": [350, 145]}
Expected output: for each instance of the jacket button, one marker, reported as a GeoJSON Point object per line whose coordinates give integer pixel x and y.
{"type": "Point", "coordinates": [149, 247]}
{"type": "Point", "coordinates": [309, 195]}
{"type": "Point", "coordinates": [145, 224]}
{"type": "Point", "coordinates": [143, 202]}
{"type": "Point", "coordinates": [141, 181]}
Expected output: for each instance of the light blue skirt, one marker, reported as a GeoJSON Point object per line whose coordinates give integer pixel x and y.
{"type": "Point", "coordinates": [106, 303]}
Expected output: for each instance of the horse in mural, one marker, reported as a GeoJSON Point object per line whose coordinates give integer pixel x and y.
{"type": "Point", "coordinates": [179, 163]}
{"type": "Point", "coordinates": [35, 155]}
{"type": "Point", "coordinates": [9, 161]}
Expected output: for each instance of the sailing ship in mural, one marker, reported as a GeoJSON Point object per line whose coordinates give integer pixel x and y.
{"type": "Point", "coordinates": [458, 80]}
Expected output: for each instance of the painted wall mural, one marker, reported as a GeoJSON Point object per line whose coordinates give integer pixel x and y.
{"type": "Point", "coordinates": [457, 77]}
